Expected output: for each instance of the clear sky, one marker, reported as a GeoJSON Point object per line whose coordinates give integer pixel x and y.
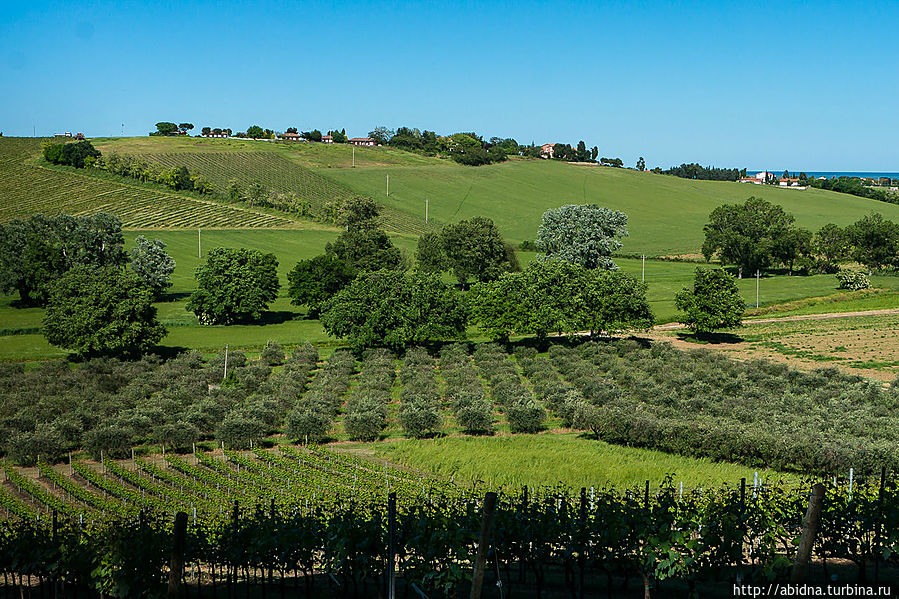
{"type": "Point", "coordinates": [808, 86]}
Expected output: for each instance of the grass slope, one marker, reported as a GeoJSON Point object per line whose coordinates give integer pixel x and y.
{"type": "Point", "coordinates": [570, 459]}
{"type": "Point", "coordinates": [666, 214]}
{"type": "Point", "coordinates": [26, 189]}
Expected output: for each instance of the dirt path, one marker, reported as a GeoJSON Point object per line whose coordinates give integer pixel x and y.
{"type": "Point", "coordinates": [673, 326]}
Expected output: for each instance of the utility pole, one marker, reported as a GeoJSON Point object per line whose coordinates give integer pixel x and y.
{"type": "Point", "coordinates": [199, 243]}
{"type": "Point", "coordinates": [354, 156]}
{"type": "Point", "coordinates": [644, 268]}
{"type": "Point", "coordinates": [427, 205]}
{"type": "Point", "coordinates": [226, 364]}
{"type": "Point", "coordinates": [388, 186]}
{"type": "Point", "coordinates": [756, 289]}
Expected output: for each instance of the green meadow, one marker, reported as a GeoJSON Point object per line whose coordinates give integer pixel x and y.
{"type": "Point", "coordinates": [570, 459]}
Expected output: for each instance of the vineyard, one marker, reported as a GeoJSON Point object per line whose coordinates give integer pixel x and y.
{"type": "Point", "coordinates": [288, 183]}
{"type": "Point", "coordinates": [308, 522]}
{"type": "Point", "coordinates": [26, 189]}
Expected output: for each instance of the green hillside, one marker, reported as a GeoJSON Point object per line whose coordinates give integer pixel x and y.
{"type": "Point", "coordinates": [26, 188]}
{"type": "Point", "coordinates": [666, 213]}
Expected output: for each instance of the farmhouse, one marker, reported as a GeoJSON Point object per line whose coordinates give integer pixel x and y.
{"type": "Point", "coordinates": [362, 141]}
{"type": "Point", "coordinates": [327, 139]}
{"type": "Point", "coordinates": [546, 150]}
{"type": "Point", "coordinates": [757, 179]}
{"type": "Point", "coordinates": [291, 136]}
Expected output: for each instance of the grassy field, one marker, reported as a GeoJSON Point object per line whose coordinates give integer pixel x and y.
{"type": "Point", "coordinates": [666, 214]}
{"type": "Point", "coordinates": [570, 459]}
{"type": "Point", "coordinates": [861, 345]}
{"type": "Point", "coordinates": [26, 189]}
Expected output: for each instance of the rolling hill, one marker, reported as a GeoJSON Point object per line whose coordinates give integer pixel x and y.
{"type": "Point", "coordinates": [666, 214]}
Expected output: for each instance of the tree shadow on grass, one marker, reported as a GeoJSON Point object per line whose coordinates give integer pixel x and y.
{"type": "Point", "coordinates": [278, 317]}
{"type": "Point", "coordinates": [710, 338]}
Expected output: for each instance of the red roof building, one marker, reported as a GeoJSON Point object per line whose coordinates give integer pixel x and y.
{"type": "Point", "coordinates": [362, 141]}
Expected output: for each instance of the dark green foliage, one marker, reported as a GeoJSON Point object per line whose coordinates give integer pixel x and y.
{"type": "Point", "coordinates": [272, 354]}
{"type": "Point", "coordinates": [750, 235]}
{"type": "Point", "coordinates": [832, 247]}
{"type": "Point", "coordinates": [110, 442]}
{"type": "Point", "coordinates": [79, 154]}
{"type": "Point", "coordinates": [389, 308]}
{"type": "Point", "coordinates": [365, 249]}
{"type": "Point", "coordinates": [430, 255]}
{"type": "Point", "coordinates": [34, 253]}
{"type": "Point", "coordinates": [234, 285]}
{"type": "Point", "coordinates": [474, 250]}
{"type": "Point", "coordinates": [308, 423]}
{"type": "Point", "coordinates": [256, 132]}
{"type": "Point", "coordinates": [366, 413]}
{"type": "Point", "coordinates": [697, 171]}
{"type": "Point", "coordinates": [106, 311]}
{"type": "Point", "coordinates": [713, 303]}
{"type": "Point", "coordinates": [316, 280]}
{"type": "Point", "coordinates": [420, 399]}
{"type": "Point", "coordinates": [178, 436]}
{"type": "Point", "coordinates": [43, 444]}
{"type": "Point", "coordinates": [525, 417]}
{"type": "Point", "coordinates": [875, 241]}
{"type": "Point", "coordinates": [465, 391]}
{"type": "Point", "coordinates": [239, 432]}
{"type": "Point", "coordinates": [552, 296]}
{"type": "Point", "coordinates": [166, 128]}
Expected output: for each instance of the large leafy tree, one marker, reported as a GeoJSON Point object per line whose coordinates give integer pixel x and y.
{"type": "Point", "coordinates": [37, 251]}
{"type": "Point", "coordinates": [429, 255]}
{"type": "Point", "coordinates": [794, 246]}
{"type": "Point", "coordinates": [166, 128]}
{"type": "Point", "coordinates": [553, 296]}
{"type": "Point", "coordinates": [713, 303]}
{"type": "Point", "coordinates": [255, 131]}
{"type": "Point", "coordinates": [583, 234]}
{"type": "Point", "coordinates": [152, 264]}
{"type": "Point", "coordinates": [475, 249]}
{"type": "Point", "coordinates": [313, 281]}
{"type": "Point", "coordinates": [234, 285]}
{"type": "Point", "coordinates": [746, 234]}
{"type": "Point", "coordinates": [363, 246]}
{"type": "Point", "coordinates": [875, 241]}
{"type": "Point", "coordinates": [832, 246]}
{"type": "Point", "coordinates": [393, 309]}
{"type": "Point", "coordinates": [105, 311]}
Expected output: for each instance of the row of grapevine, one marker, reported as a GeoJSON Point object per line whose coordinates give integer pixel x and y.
{"type": "Point", "coordinates": [548, 541]}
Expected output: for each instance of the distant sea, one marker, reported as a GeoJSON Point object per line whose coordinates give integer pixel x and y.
{"type": "Point", "coordinates": [831, 174]}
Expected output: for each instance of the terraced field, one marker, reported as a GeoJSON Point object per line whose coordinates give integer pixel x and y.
{"type": "Point", "coordinates": [26, 189]}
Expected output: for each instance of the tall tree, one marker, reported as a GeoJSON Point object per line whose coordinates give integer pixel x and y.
{"type": "Point", "coordinates": [641, 164]}
{"type": "Point", "coordinates": [875, 241]}
{"type": "Point", "coordinates": [583, 234]}
{"type": "Point", "coordinates": [316, 280]}
{"type": "Point", "coordinates": [746, 234]}
{"type": "Point", "coordinates": [713, 303]}
{"type": "Point", "coordinates": [256, 132]}
{"type": "Point", "coordinates": [832, 247]}
{"type": "Point", "coordinates": [475, 249]}
{"type": "Point", "coordinates": [166, 128]}
{"type": "Point", "coordinates": [152, 264]}
{"type": "Point", "coordinates": [105, 311]}
{"type": "Point", "coordinates": [234, 285]}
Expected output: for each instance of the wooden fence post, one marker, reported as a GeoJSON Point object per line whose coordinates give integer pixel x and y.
{"type": "Point", "coordinates": [176, 565]}
{"type": "Point", "coordinates": [477, 579]}
{"type": "Point", "coordinates": [809, 530]}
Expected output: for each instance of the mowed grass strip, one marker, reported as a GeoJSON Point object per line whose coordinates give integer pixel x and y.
{"type": "Point", "coordinates": [548, 459]}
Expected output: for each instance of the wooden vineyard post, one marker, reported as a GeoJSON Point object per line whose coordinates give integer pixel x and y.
{"type": "Point", "coordinates": [176, 565]}
{"type": "Point", "coordinates": [809, 530]}
{"type": "Point", "coordinates": [391, 549]}
{"type": "Point", "coordinates": [477, 579]}
{"type": "Point", "coordinates": [582, 516]}
{"type": "Point", "coordinates": [878, 531]}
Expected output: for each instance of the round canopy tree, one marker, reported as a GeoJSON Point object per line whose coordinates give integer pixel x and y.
{"type": "Point", "coordinates": [583, 234]}
{"type": "Point", "coordinates": [106, 311]}
{"type": "Point", "coordinates": [234, 285]}
{"type": "Point", "coordinates": [713, 303]}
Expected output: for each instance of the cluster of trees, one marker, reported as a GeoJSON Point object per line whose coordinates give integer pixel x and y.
{"type": "Point", "coordinates": [167, 128]}
{"type": "Point", "coordinates": [850, 185]}
{"type": "Point", "coordinates": [98, 297]}
{"type": "Point", "coordinates": [215, 131]}
{"type": "Point", "coordinates": [79, 154]}
{"type": "Point", "coordinates": [177, 178]}
{"type": "Point", "coordinates": [757, 234]}
{"type": "Point", "coordinates": [465, 148]}
{"type": "Point", "coordinates": [577, 154]}
{"type": "Point", "coordinates": [706, 173]}
{"type": "Point", "coordinates": [471, 249]}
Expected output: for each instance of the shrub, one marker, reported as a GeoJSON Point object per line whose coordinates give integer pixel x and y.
{"type": "Point", "coordinates": [475, 417]}
{"type": "Point", "coordinates": [853, 280]}
{"type": "Point", "coordinates": [180, 436]}
{"type": "Point", "coordinates": [272, 354]}
{"type": "Point", "coordinates": [44, 443]}
{"type": "Point", "coordinates": [309, 423]}
{"type": "Point", "coordinates": [364, 425]}
{"type": "Point", "coordinates": [110, 441]}
{"type": "Point", "coordinates": [419, 420]}
{"type": "Point", "coordinates": [525, 417]}
{"type": "Point", "coordinates": [238, 432]}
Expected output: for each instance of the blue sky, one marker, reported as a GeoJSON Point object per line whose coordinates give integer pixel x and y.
{"type": "Point", "coordinates": [810, 86]}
